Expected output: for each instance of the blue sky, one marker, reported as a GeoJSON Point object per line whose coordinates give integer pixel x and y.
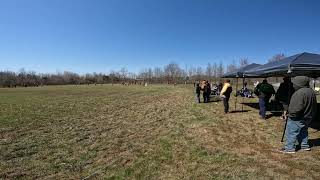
{"type": "Point", "coordinates": [100, 35]}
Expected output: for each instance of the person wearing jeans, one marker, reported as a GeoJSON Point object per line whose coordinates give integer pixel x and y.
{"type": "Point", "coordinates": [262, 105]}
{"type": "Point", "coordinates": [264, 91]}
{"type": "Point", "coordinates": [297, 130]}
{"type": "Point", "coordinates": [302, 110]}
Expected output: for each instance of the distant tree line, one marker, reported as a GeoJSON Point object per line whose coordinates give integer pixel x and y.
{"type": "Point", "coordinates": [171, 73]}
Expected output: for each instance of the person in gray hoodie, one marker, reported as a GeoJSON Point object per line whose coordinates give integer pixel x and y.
{"type": "Point", "coordinates": [302, 110]}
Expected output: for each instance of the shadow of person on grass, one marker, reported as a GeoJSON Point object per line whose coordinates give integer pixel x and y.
{"type": "Point", "coordinates": [314, 142]}
{"type": "Point", "coordinates": [239, 111]}
{"type": "Point", "coordinates": [252, 105]}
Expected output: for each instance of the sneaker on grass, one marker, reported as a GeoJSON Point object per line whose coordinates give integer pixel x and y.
{"type": "Point", "coordinates": [285, 151]}
{"type": "Point", "coordinates": [305, 149]}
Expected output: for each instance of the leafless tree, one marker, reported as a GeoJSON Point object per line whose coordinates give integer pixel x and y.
{"type": "Point", "coordinates": [277, 57]}
{"type": "Point", "coordinates": [243, 62]}
{"type": "Point", "coordinates": [220, 70]}
{"type": "Point", "coordinates": [172, 72]}
{"type": "Point", "coordinates": [123, 73]}
{"type": "Point", "coordinates": [209, 71]}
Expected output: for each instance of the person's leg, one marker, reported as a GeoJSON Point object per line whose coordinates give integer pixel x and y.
{"type": "Point", "coordinates": [292, 132]}
{"type": "Point", "coordinates": [225, 105]}
{"type": "Point", "coordinates": [198, 98]}
{"type": "Point", "coordinates": [204, 97]}
{"type": "Point", "coordinates": [303, 136]}
{"type": "Point", "coordinates": [262, 107]}
{"type": "Point", "coordinates": [227, 108]}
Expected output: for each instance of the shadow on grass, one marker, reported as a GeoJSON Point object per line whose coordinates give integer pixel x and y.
{"type": "Point", "coordinates": [315, 124]}
{"type": "Point", "coordinates": [239, 111]}
{"type": "Point", "coordinates": [252, 105]}
{"type": "Point", "coordinates": [314, 142]}
{"type": "Point", "coordinates": [212, 101]}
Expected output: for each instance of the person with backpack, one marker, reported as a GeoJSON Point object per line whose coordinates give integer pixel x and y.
{"type": "Point", "coordinates": [264, 91]}
{"type": "Point", "coordinates": [225, 94]}
{"type": "Point", "coordinates": [302, 110]}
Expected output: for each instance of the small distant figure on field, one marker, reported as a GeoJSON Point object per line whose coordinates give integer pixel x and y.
{"type": "Point", "coordinates": [225, 94]}
{"type": "Point", "coordinates": [198, 92]}
{"type": "Point", "coordinates": [264, 91]}
{"type": "Point", "coordinates": [302, 110]}
{"type": "Point", "coordinates": [284, 93]}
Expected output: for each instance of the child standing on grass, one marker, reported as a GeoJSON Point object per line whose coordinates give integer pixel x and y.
{"type": "Point", "coordinates": [198, 93]}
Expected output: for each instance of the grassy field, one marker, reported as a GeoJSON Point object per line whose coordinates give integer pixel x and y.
{"type": "Point", "coordinates": [135, 132]}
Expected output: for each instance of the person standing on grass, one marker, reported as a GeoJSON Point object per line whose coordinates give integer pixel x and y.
{"type": "Point", "coordinates": [198, 92]}
{"type": "Point", "coordinates": [205, 90]}
{"type": "Point", "coordinates": [302, 110]}
{"type": "Point", "coordinates": [284, 94]}
{"type": "Point", "coordinates": [208, 90]}
{"type": "Point", "coordinates": [225, 94]}
{"type": "Point", "coordinates": [264, 91]}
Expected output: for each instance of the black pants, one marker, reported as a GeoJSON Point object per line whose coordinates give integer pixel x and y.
{"type": "Point", "coordinates": [205, 99]}
{"type": "Point", "coordinates": [208, 96]}
{"type": "Point", "coordinates": [226, 104]}
{"type": "Point", "coordinates": [198, 98]}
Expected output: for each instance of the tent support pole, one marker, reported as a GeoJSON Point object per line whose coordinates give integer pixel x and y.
{"type": "Point", "coordinates": [242, 97]}
{"type": "Point", "coordinates": [235, 103]}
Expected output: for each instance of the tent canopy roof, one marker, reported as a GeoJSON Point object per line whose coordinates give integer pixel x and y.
{"type": "Point", "coordinates": [241, 71]}
{"type": "Point", "coordinates": [300, 64]}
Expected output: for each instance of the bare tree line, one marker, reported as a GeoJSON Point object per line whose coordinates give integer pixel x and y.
{"type": "Point", "coordinates": [171, 73]}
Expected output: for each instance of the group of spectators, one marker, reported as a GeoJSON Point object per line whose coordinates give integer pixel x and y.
{"type": "Point", "coordinates": [299, 109]}
{"type": "Point", "coordinates": [223, 90]}
{"type": "Point", "coordinates": [299, 104]}
{"type": "Point", "coordinates": [205, 87]}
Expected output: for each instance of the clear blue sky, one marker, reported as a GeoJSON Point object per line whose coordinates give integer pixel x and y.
{"type": "Point", "coordinates": [99, 35]}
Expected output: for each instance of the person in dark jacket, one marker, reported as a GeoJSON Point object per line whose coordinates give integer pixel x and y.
{"type": "Point", "coordinates": [205, 91]}
{"type": "Point", "coordinates": [264, 91]}
{"type": "Point", "coordinates": [208, 85]}
{"type": "Point", "coordinates": [302, 110]}
{"type": "Point", "coordinates": [198, 92]}
{"type": "Point", "coordinates": [284, 93]}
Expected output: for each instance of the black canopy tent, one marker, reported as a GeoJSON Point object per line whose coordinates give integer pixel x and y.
{"type": "Point", "coordinates": [240, 72]}
{"type": "Point", "coordinates": [307, 64]}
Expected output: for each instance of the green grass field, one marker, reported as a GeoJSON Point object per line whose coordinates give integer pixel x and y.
{"type": "Point", "coordinates": [135, 132]}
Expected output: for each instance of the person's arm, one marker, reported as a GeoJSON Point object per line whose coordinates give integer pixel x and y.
{"type": "Point", "coordinates": [273, 91]}
{"type": "Point", "coordinates": [224, 89]}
